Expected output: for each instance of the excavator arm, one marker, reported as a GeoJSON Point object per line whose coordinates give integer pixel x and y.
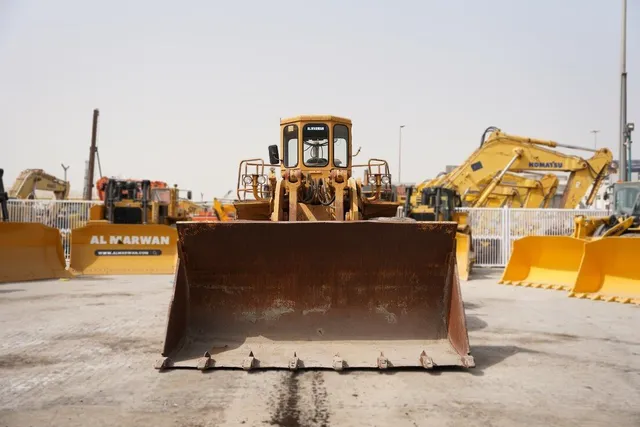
{"type": "Point", "coordinates": [502, 153]}
{"type": "Point", "coordinates": [516, 191]}
{"type": "Point", "coordinates": [31, 180]}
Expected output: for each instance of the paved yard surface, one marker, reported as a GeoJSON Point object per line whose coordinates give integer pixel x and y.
{"type": "Point", "coordinates": [81, 353]}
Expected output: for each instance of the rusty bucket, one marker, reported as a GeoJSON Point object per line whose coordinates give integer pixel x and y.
{"type": "Point", "coordinates": [364, 294]}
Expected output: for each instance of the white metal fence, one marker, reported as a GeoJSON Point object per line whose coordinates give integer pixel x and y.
{"type": "Point", "coordinates": [493, 230]}
{"type": "Point", "coordinates": [64, 215]}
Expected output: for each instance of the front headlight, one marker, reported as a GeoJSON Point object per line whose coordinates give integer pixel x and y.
{"type": "Point", "coordinates": [262, 179]}
{"type": "Point", "coordinates": [247, 179]}
{"type": "Point", "coordinates": [372, 179]}
{"type": "Point", "coordinates": [386, 179]}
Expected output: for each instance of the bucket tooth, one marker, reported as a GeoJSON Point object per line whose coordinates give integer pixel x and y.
{"type": "Point", "coordinates": [205, 362]}
{"type": "Point", "coordinates": [248, 362]}
{"type": "Point", "coordinates": [293, 362]}
{"type": "Point", "coordinates": [383, 362]}
{"type": "Point", "coordinates": [468, 361]}
{"type": "Point", "coordinates": [426, 361]}
{"type": "Point", "coordinates": [338, 363]}
{"type": "Point", "coordinates": [163, 363]}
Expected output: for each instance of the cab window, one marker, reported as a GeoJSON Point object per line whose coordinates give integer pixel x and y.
{"type": "Point", "coordinates": [341, 146]}
{"type": "Point", "coordinates": [290, 143]}
{"type": "Point", "coordinates": [315, 142]}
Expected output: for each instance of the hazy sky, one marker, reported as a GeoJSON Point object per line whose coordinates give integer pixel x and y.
{"type": "Point", "coordinates": [188, 89]}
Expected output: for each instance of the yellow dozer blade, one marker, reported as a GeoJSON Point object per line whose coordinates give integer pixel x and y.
{"type": "Point", "coordinates": [340, 295]}
{"type": "Point", "coordinates": [549, 262]}
{"type": "Point", "coordinates": [111, 249]}
{"type": "Point", "coordinates": [610, 270]}
{"type": "Point", "coordinates": [30, 251]}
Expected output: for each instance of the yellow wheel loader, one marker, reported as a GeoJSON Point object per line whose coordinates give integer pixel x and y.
{"type": "Point", "coordinates": [313, 272]}
{"type": "Point", "coordinates": [28, 251]}
{"type": "Point", "coordinates": [133, 232]}
{"type": "Point", "coordinates": [597, 261]}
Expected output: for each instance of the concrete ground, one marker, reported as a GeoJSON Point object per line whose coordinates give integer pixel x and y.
{"type": "Point", "coordinates": [81, 352]}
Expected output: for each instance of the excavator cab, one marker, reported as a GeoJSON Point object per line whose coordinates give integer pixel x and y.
{"type": "Point", "coordinates": [316, 273]}
{"type": "Point", "coordinates": [626, 199]}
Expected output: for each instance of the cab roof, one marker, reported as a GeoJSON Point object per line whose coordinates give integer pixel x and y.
{"type": "Point", "coordinates": [315, 117]}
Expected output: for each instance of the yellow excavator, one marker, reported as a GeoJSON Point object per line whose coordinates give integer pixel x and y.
{"type": "Point", "coordinates": [500, 153]}
{"type": "Point", "coordinates": [315, 272]}
{"type": "Point", "coordinates": [598, 261]}
{"type": "Point", "coordinates": [30, 180]}
{"type": "Point", "coordinates": [28, 250]}
{"type": "Point", "coordinates": [133, 232]}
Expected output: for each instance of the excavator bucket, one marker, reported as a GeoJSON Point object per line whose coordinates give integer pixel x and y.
{"type": "Point", "coordinates": [338, 295]}
{"type": "Point", "coordinates": [102, 248]}
{"type": "Point", "coordinates": [30, 251]}
{"type": "Point", "coordinates": [549, 262]}
{"type": "Point", "coordinates": [609, 270]}
{"type": "Point", "coordinates": [464, 255]}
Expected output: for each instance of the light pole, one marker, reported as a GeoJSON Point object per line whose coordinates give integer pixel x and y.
{"type": "Point", "coordinates": [622, 152]}
{"type": "Point", "coordinates": [400, 156]}
{"type": "Point", "coordinates": [65, 171]}
{"type": "Point", "coordinates": [595, 138]}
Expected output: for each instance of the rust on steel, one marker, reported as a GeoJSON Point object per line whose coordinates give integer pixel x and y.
{"type": "Point", "coordinates": [306, 294]}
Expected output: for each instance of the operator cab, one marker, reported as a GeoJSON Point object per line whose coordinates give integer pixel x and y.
{"type": "Point", "coordinates": [311, 143]}
{"type": "Point", "coordinates": [436, 204]}
{"type": "Point", "coordinates": [627, 199]}
{"type": "Point", "coordinates": [126, 201]}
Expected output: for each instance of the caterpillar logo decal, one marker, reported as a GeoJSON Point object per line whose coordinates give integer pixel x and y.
{"type": "Point", "coordinates": [130, 240]}
{"type": "Point", "coordinates": [549, 165]}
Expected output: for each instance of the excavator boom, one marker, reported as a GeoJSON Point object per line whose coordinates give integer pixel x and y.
{"type": "Point", "coordinates": [503, 153]}
{"type": "Point", "coordinates": [31, 180]}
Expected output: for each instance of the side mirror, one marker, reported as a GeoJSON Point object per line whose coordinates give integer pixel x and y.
{"type": "Point", "coordinates": [189, 195]}
{"type": "Point", "coordinates": [274, 156]}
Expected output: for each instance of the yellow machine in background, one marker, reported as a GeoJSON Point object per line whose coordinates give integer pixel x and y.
{"type": "Point", "coordinates": [132, 233]}
{"type": "Point", "coordinates": [501, 154]}
{"type": "Point", "coordinates": [598, 261]}
{"type": "Point", "coordinates": [440, 204]}
{"type": "Point", "coordinates": [516, 191]}
{"type": "Point", "coordinates": [30, 180]}
{"type": "Point", "coordinates": [28, 251]}
{"type": "Point", "coordinates": [315, 273]}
